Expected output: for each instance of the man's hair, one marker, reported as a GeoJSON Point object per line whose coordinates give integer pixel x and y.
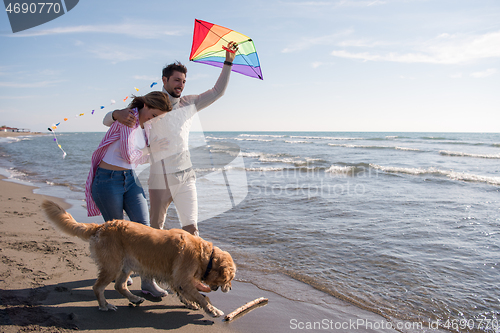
{"type": "Point", "coordinates": [176, 66]}
{"type": "Point", "coordinates": [154, 100]}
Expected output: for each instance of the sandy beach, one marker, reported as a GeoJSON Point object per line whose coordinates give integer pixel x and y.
{"type": "Point", "coordinates": [46, 283]}
{"type": "Point", "coordinates": [46, 280]}
{"type": "Point", "coordinates": [13, 134]}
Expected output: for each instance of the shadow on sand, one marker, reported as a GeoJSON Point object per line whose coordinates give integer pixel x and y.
{"type": "Point", "coordinates": [72, 305]}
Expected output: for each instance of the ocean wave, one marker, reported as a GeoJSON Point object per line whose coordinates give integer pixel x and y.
{"type": "Point", "coordinates": [209, 137]}
{"type": "Point", "coordinates": [460, 154]}
{"type": "Point", "coordinates": [263, 140]}
{"type": "Point", "coordinates": [453, 175]}
{"type": "Point", "coordinates": [286, 141]}
{"type": "Point", "coordinates": [264, 169]}
{"type": "Point", "coordinates": [344, 170]}
{"type": "Point", "coordinates": [319, 160]}
{"type": "Point", "coordinates": [387, 138]}
{"type": "Point", "coordinates": [283, 159]}
{"type": "Point", "coordinates": [436, 138]}
{"type": "Point", "coordinates": [289, 170]}
{"type": "Point", "coordinates": [18, 174]}
{"type": "Point", "coordinates": [10, 139]}
{"type": "Point", "coordinates": [462, 143]}
{"type": "Point", "coordinates": [251, 155]}
{"type": "Point", "coordinates": [262, 157]}
{"type": "Point", "coordinates": [323, 138]}
{"type": "Point", "coordinates": [372, 147]}
{"type": "Point", "coordinates": [279, 159]}
{"type": "Point", "coordinates": [348, 169]}
{"type": "Point", "coordinates": [210, 170]}
{"type": "Point", "coordinates": [253, 139]}
{"type": "Point", "coordinates": [356, 146]}
{"type": "Point", "coordinates": [406, 149]}
{"type": "Point", "coordinates": [263, 135]}
{"type": "Point", "coordinates": [72, 187]}
{"type": "Point", "coordinates": [287, 159]}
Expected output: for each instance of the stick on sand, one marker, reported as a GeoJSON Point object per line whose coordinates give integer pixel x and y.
{"type": "Point", "coordinates": [245, 307]}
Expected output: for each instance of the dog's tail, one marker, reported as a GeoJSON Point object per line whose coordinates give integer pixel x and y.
{"type": "Point", "coordinates": [63, 221]}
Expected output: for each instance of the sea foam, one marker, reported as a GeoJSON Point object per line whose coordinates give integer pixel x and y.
{"type": "Point", "coordinates": [453, 175]}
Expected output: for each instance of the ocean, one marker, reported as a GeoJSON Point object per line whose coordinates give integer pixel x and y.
{"type": "Point", "coordinates": [406, 225]}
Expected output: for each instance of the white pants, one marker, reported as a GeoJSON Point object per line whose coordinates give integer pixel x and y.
{"type": "Point", "coordinates": [179, 187]}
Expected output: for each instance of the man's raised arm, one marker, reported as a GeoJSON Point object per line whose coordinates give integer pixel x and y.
{"type": "Point", "coordinates": [208, 97]}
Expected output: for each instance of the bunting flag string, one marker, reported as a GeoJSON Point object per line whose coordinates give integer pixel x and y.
{"type": "Point", "coordinates": [53, 131]}
{"type": "Point", "coordinates": [53, 127]}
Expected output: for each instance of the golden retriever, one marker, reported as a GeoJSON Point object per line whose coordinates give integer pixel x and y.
{"type": "Point", "coordinates": [174, 257]}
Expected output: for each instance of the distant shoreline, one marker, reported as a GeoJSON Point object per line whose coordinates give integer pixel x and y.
{"type": "Point", "coordinates": [14, 134]}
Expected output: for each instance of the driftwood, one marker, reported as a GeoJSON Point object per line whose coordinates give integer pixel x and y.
{"type": "Point", "coordinates": [245, 307]}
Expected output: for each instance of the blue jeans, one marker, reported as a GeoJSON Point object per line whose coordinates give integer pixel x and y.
{"type": "Point", "coordinates": [115, 191]}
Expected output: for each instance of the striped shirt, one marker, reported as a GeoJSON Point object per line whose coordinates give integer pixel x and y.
{"type": "Point", "coordinates": [129, 152]}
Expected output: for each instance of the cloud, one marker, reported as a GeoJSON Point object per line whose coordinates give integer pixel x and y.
{"type": "Point", "coordinates": [485, 73]}
{"type": "Point", "coordinates": [135, 29]}
{"type": "Point", "coordinates": [145, 77]}
{"type": "Point", "coordinates": [318, 64]}
{"type": "Point", "coordinates": [392, 56]}
{"type": "Point", "coordinates": [341, 3]}
{"type": "Point", "coordinates": [309, 3]}
{"type": "Point", "coordinates": [456, 76]}
{"type": "Point", "coordinates": [116, 53]}
{"type": "Point", "coordinates": [49, 72]}
{"type": "Point", "coordinates": [357, 3]}
{"type": "Point", "coordinates": [362, 43]}
{"type": "Point", "coordinates": [307, 42]}
{"type": "Point", "coordinates": [444, 49]}
{"type": "Point", "coordinates": [20, 97]}
{"type": "Point", "coordinates": [40, 84]}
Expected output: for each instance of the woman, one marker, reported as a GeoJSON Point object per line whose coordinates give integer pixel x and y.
{"type": "Point", "coordinates": [112, 185]}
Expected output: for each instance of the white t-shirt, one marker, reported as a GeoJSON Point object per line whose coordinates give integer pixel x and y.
{"type": "Point", "coordinates": [113, 154]}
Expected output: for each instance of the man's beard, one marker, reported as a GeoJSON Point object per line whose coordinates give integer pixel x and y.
{"type": "Point", "coordinates": [173, 94]}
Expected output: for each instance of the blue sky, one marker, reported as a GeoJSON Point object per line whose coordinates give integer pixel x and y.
{"type": "Point", "coordinates": [340, 65]}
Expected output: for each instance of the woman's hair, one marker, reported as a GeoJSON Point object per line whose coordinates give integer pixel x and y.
{"type": "Point", "coordinates": [154, 100]}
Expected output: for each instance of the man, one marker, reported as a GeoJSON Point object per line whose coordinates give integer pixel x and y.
{"type": "Point", "coordinates": [185, 199]}
{"type": "Point", "coordinates": [170, 180]}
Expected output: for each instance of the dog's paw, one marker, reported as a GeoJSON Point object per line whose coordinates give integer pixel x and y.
{"type": "Point", "coordinates": [214, 312]}
{"type": "Point", "coordinates": [137, 300]}
{"type": "Point", "coordinates": [108, 307]}
{"type": "Point", "coordinates": [190, 305]}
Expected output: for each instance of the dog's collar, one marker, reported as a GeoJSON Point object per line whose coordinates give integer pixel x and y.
{"type": "Point", "coordinates": [209, 266]}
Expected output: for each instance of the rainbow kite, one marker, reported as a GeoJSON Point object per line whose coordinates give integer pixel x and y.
{"type": "Point", "coordinates": [209, 41]}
